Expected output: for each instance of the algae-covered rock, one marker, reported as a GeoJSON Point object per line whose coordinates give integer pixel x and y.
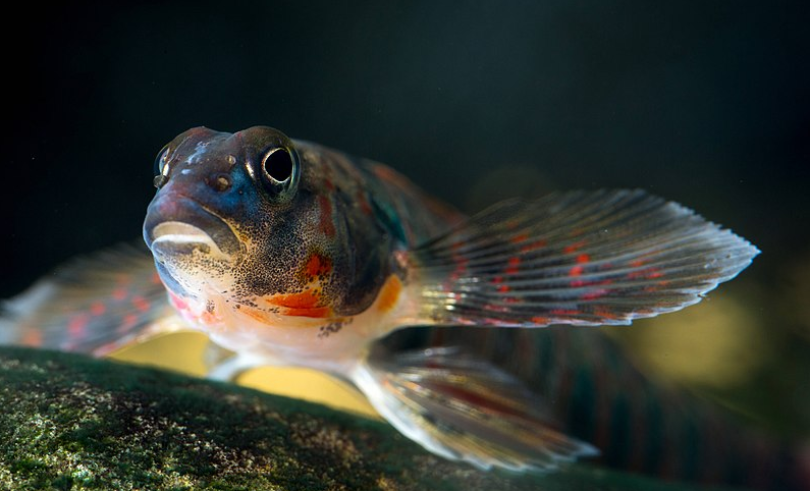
{"type": "Point", "coordinates": [74, 423]}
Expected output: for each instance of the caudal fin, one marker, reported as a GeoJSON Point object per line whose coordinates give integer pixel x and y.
{"type": "Point", "coordinates": [585, 258]}
{"type": "Point", "coordinates": [91, 305]}
{"type": "Point", "coordinates": [463, 408]}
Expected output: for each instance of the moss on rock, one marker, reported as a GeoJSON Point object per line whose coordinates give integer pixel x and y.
{"type": "Point", "coordinates": [74, 423]}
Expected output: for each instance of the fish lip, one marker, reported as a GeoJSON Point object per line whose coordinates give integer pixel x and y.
{"type": "Point", "coordinates": [179, 225]}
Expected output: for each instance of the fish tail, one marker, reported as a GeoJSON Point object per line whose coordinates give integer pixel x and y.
{"type": "Point", "coordinates": [92, 305]}
{"type": "Point", "coordinates": [582, 258]}
{"type": "Point", "coordinates": [463, 408]}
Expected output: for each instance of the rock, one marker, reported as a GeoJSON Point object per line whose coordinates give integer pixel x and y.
{"type": "Point", "coordinates": [75, 423]}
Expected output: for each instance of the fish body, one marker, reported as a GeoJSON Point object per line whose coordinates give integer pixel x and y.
{"type": "Point", "coordinates": [290, 253]}
{"type": "Point", "coordinates": [266, 267]}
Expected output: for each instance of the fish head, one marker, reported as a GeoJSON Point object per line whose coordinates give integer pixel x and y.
{"type": "Point", "coordinates": [246, 224]}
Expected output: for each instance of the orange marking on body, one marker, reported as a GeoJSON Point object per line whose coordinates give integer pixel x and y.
{"type": "Point", "coordinates": [389, 294]}
{"type": "Point", "coordinates": [574, 247]}
{"type": "Point", "coordinates": [209, 318]}
{"type": "Point", "coordinates": [576, 271]}
{"type": "Point", "coordinates": [540, 320]}
{"type": "Point", "coordinates": [503, 288]}
{"type": "Point", "coordinates": [155, 279]}
{"type": "Point", "coordinates": [140, 303]}
{"type": "Point", "coordinates": [637, 263]}
{"type": "Point", "coordinates": [317, 265]}
{"type": "Point", "coordinates": [327, 227]}
{"type": "Point", "coordinates": [256, 314]}
{"type": "Point", "coordinates": [583, 258]}
{"type": "Point", "coordinates": [317, 312]}
{"type": "Point", "coordinates": [304, 304]}
{"type": "Point", "coordinates": [98, 308]}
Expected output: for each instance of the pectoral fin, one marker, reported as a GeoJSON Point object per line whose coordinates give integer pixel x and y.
{"type": "Point", "coordinates": [92, 305]}
{"type": "Point", "coordinates": [465, 409]}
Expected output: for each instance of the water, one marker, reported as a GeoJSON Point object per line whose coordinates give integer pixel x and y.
{"type": "Point", "coordinates": [703, 104]}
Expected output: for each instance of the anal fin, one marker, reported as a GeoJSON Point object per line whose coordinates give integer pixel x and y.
{"type": "Point", "coordinates": [465, 409]}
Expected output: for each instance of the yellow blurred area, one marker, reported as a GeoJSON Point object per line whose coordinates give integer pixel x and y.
{"type": "Point", "coordinates": [720, 343]}
{"type": "Point", "coordinates": [185, 352]}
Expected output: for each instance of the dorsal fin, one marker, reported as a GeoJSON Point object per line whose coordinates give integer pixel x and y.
{"type": "Point", "coordinates": [585, 258]}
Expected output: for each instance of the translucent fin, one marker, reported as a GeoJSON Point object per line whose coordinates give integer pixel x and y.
{"type": "Point", "coordinates": [92, 305]}
{"type": "Point", "coordinates": [584, 258]}
{"type": "Point", "coordinates": [465, 409]}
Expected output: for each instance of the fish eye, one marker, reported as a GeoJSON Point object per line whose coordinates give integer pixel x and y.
{"type": "Point", "coordinates": [160, 162]}
{"type": "Point", "coordinates": [280, 171]}
{"type": "Point", "coordinates": [162, 167]}
{"type": "Point", "coordinates": [278, 164]}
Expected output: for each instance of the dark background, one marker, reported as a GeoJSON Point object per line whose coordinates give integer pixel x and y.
{"type": "Point", "coordinates": [706, 103]}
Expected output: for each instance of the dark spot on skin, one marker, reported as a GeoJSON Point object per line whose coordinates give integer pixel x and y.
{"type": "Point", "coordinates": [219, 183]}
{"type": "Point", "coordinates": [331, 328]}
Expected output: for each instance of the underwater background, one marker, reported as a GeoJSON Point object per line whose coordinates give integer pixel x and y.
{"type": "Point", "coordinates": [704, 103]}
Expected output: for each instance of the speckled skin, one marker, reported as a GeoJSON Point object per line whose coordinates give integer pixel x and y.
{"type": "Point", "coordinates": [284, 266]}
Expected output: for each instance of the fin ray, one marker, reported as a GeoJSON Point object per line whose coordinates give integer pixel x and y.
{"type": "Point", "coordinates": [94, 304]}
{"type": "Point", "coordinates": [585, 258]}
{"type": "Point", "coordinates": [465, 409]}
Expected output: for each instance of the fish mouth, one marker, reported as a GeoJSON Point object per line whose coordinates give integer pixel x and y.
{"type": "Point", "coordinates": [180, 227]}
{"type": "Point", "coordinates": [178, 238]}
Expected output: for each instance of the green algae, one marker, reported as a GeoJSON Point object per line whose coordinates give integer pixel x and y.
{"type": "Point", "coordinates": [74, 423]}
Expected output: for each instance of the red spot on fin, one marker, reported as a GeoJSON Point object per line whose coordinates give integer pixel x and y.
{"type": "Point", "coordinates": [514, 265]}
{"type": "Point", "coordinates": [574, 247]}
{"type": "Point", "coordinates": [98, 308]}
{"type": "Point", "coordinates": [538, 244]}
{"type": "Point", "coordinates": [519, 238]}
{"type": "Point", "coordinates": [140, 303]}
{"type": "Point", "coordinates": [77, 325]}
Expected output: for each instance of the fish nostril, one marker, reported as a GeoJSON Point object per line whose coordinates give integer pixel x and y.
{"type": "Point", "coordinates": [219, 183]}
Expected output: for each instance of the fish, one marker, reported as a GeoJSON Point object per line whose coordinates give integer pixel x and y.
{"type": "Point", "coordinates": [464, 332]}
